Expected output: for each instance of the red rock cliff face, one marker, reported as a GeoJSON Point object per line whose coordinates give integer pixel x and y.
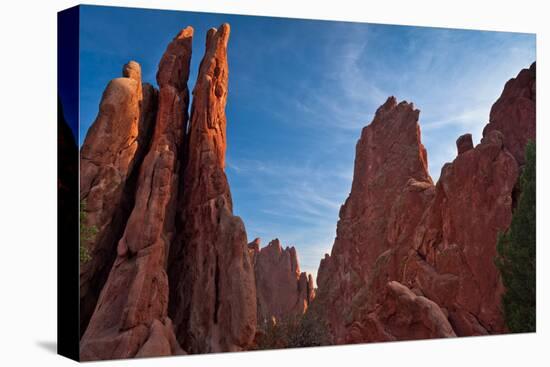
{"type": "Point", "coordinates": [514, 113]}
{"type": "Point", "coordinates": [131, 315]}
{"type": "Point", "coordinates": [455, 243]}
{"type": "Point", "coordinates": [282, 290]}
{"type": "Point", "coordinates": [109, 160]}
{"type": "Point", "coordinates": [163, 199]}
{"type": "Point", "coordinates": [430, 273]}
{"type": "Point", "coordinates": [213, 300]}
{"type": "Point", "coordinates": [388, 154]}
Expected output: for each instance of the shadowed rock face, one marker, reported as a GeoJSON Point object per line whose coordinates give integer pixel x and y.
{"type": "Point", "coordinates": [455, 243]}
{"type": "Point", "coordinates": [109, 161]}
{"type": "Point", "coordinates": [402, 314]}
{"type": "Point", "coordinates": [464, 143]}
{"type": "Point", "coordinates": [433, 273]}
{"type": "Point", "coordinates": [282, 289]}
{"type": "Point", "coordinates": [213, 298]}
{"type": "Point", "coordinates": [131, 315]}
{"type": "Point", "coordinates": [388, 154]}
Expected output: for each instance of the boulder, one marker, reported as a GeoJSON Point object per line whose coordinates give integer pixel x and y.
{"type": "Point", "coordinates": [402, 315]}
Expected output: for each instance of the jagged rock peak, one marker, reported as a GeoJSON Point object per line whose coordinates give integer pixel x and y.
{"type": "Point", "coordinates": [275, 249]}
{"type": "Point", "coordinates": [514, 113]}
{"type": "Point", "coordinates": [389, 154]}
{"type": "Point", "coordinates": [174, 65]}
{"type": "Point", "coordinates": [213, 301]}
{"type": "Point", "coordinates": [282, 289]}
{"type": "Point", "coordinates": [185, 33]}
{"type": "Point", "coordinates": [210, 94]}
{"type": "Point", "coordinates": [220, 35]}
{"type": "Point", "coordinates": [255, 245]}
{"type": "Point", "coordinates": [390, 104]}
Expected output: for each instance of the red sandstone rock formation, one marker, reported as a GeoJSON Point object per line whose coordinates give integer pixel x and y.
{"type": "Point", "coordinates": [411, 259]}
{"type": "Point", "coordinates": [455, 243]}
{"type": "Point", "coordinates": [130, 319]}
{"type": "Point", "coordinates": [430, 272]}
{"type": "Point", "coordinates": [388, 154]}
{"type": "Point", "coordinates": [282, 289]}
{"type": "Point", "coordinates": [213, 300]}
{"type": "Point", "coordinates": [402, 315]}
{"type": "Point", "coordinates": [464, 143]}
{"type": "Point", "coordinates": [514, 113]}
{"type": "Point", "coordinates": [109, 160]}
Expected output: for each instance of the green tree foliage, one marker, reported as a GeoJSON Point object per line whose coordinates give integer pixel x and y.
{"type": "Point", "coordinates": [87, 234]}
{"type": "Point", "coordinates": [516, 257]}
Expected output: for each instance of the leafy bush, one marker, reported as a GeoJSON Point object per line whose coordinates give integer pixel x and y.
{"type": "Point", "coordinates": [516, 257]}
{"type": "Point", "coordinates": [299, 331]}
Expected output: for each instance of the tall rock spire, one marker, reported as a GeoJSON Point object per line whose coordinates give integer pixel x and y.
{"type": "Point", "coordinates": [131, 315]}
{"type": "Point", "coordinates": [213, 301]}
{"type": "Point", "coordinates": [388, 154]}
{"type": "Point", "coordinates": [109, 161]}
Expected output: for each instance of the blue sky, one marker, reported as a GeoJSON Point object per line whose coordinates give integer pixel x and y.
{"type": "Point", "coordinates": [299, 93]}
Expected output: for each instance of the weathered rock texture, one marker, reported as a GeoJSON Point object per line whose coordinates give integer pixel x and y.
{"type": "Point", "coordinates": [109, 161]}
{"type": "Point", "coordinates": [131, 315]}
{"type": "Point", "coordinates": [282, 290]}
{"type": "Point", "coordinates": [213, 302]}
{"type": "Point", "coordinates": [389, 154]}
{"type": "Point", "coordinates": [455, 243]}
{"type": "Point", "coordinates": [514, 113]}
{"type": "Point", "coordinates": [168, 242]}
{"type": "Point", "coordinates": [402, 315]}
{"type": "Point", "coordinates": [413, 260]}
{"type": "Point", "coordinates": [171, 268]}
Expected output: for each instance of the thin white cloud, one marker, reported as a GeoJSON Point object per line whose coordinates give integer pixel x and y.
{"type": "Point", "coordinates": [453, 89]}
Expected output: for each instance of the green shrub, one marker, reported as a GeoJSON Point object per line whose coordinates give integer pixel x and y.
{"type": "Point", "coordinates": [299, 331]}
{"type": "Point", "coordinates": [516, 257]}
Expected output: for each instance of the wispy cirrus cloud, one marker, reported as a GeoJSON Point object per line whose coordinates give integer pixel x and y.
{"type": "Point", "coordinates": [452, 76]}
{"type": "Point", "coordinates": [301, 91]}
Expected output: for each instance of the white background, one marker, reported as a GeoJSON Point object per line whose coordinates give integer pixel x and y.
{"type": "Point", "coordinates": [28, 122]}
